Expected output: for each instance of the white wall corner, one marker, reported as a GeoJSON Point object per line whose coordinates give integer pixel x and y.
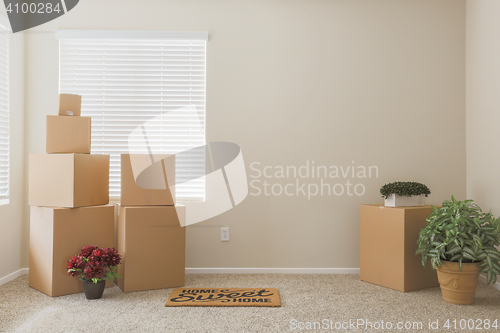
{"type": "Point", "coordinates": [13, 276]}
{"type": "Point", "coordinates": [482, 279]}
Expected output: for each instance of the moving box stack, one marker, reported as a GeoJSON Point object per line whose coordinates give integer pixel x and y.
{"type": "Point", "coordinates": [151, 236]}
{"type": "Point", "coordinates": [69, 196]}
{"type": "Point", "coordinates": [69, 199]}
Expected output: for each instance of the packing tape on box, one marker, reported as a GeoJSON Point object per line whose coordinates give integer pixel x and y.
{"type": "Point", "coordinates": [223, 172]}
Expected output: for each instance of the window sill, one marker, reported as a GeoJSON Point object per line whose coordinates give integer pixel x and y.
{"type": "Point", "coordinates": [4, 201]}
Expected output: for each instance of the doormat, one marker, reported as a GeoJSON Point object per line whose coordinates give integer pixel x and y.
{"type": "Point", "coordinates": [224, 297]}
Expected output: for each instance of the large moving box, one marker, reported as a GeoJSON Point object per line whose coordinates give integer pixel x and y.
{"type": "Point", "coordinates": [388, 243]}
{"type": "Point", "coordinates": [70, 105]}
{"type": "Point", "coordinates": [152, 244]}
{"type": "Point", "coordinates": [68, 180]}
{"type": "Point", "coordinates": [68, 134]}
{"type": "Point", "coordinates": [57, 234]}
{"type": "Point", "coordinates": [158, 178]}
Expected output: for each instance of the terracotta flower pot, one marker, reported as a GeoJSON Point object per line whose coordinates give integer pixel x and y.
{"type": "Point", "coordinates": [94, 290]}
{"type": "Point", "coordinates": [458, 287]}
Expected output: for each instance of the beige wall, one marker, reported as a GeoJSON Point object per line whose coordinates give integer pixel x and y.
{"type": "Point", "coordinates": [483, 104]}
{"type": "Point", "coordinates": [381, 83]}
{"type": "Point", "coordinates": [13, 225]}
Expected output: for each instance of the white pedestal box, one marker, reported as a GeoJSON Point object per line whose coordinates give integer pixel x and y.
{"type": "Point", "coordinates": [404, 201]}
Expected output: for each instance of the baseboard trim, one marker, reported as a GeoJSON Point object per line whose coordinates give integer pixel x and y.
{"type": "Point", "coordinates": [13, 276]}
{"type": "Point", "coordinates": [482, 278]}
{"type": "Point", "coordinates": [23, 271]}
{"type": "Point", "coordinates": [272, 270]}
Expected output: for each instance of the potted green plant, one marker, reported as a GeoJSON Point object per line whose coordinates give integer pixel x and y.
{"type": "Point", "coordinates": [460, 242]}
{"type": "Point", "coordinates": [93, 266]}
{"type": "Point", "coordinates": [404, 194]}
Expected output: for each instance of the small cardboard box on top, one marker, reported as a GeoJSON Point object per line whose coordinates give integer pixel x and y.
{"type": "Point", "coordinates": [152, 244]}
{"type": "Point", "coordinates": [68, 135]}
{"type": "Point", "coordinates": [57, 234]}
{"type": "Point", "coordinates": [68, 180]}
{"type": "Point", "coordinates": [70, 105]}
{"type": "Point", "coordinates": [388, 239]}
{"type": "Point", "coordinates": [147, 180]}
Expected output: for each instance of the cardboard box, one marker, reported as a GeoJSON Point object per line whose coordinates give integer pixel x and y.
{"type": "Point", "coordinates": [116, 212]}
{"type": "Point", "coordinates": [70, 105]}
{"type": "Point", "coordinates": [57, 234]}
{"type": "Point", "coordinates": [157, 179]}
{"type": "Point", "coordinates": [68, 134]}
{"type": "Point", "coordinates": [388, 244]}
{"type": "Point", "coordinates": [68, 180]}
{"type": "Point", "coordinates": [153, 245]}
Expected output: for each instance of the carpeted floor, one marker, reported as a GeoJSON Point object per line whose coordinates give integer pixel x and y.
{"type": "Point", "coordinates": [305, 298]}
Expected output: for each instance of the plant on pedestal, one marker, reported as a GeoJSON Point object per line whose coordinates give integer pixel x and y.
{"type": "Point", "coordinates": [460, 241]}
{"type": "Point", "coordinates": [398, 194]}
{"type": "Point", "coordinates": [93, 266]}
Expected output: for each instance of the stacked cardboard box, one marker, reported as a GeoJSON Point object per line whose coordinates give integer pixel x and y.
{"type": "Point", "coordinates": [150, 231]}
{"type": "Point", "coordinates": [69, 199]}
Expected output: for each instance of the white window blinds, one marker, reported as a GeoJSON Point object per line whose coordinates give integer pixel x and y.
{"type": "Point", "coordinates": [129, 78]}
{"type": "Point", "coordinates": [4, 107]}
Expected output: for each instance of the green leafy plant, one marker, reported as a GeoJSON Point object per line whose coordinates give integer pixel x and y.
{"type": "Point", "coordinates": [460, 232]}
{"type": "Point", "coordinates": [404, 189]}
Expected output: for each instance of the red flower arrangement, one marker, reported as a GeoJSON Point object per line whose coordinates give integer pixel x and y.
{"type": "Point", "coordinates": [94, 264]}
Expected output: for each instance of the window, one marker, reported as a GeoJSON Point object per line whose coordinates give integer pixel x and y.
{"type": "Point", "coordinates": [129, 78]}
{"type": "Point", "coordinates": [4, 107]}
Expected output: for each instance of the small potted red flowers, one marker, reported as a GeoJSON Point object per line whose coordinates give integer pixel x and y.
{"type": "Point", "coordinates": [93, 266]}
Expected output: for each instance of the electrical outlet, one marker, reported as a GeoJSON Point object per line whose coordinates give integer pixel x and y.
{"type": "Point", "coordinates": [224, 234]}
